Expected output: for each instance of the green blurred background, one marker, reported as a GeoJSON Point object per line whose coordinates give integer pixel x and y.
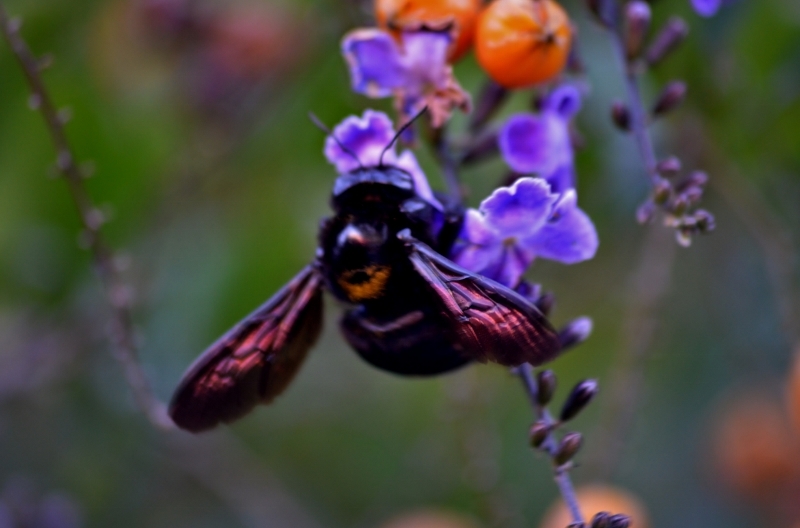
{"type": "Point", "coordinates": [214, 181]}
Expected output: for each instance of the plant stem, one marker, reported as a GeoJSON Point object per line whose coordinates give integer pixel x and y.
{"type": "Point", "coordinates": [104, 260]}
{"type": "Point", "coordinates": [525, 372]}
{"type": "Point", "coordinates": [638, 113]}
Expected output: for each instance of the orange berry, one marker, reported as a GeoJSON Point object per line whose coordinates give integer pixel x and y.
{"type": "Point", "coordinates": [793, 394]}
{"type": "Point", "coordinates": [396, 15]}
{"type": "Point", "coordinates": [523, 42]}
{"type": "Point", "coordinates": [430, 519]}
{"type": "Point", "coordinates": [594, 499]}
{"type": "Point", "coordinates": [756, 453]}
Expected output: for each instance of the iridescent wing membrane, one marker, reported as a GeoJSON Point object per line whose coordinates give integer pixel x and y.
{"type": "Point", "coordinates": [490, 322]}
{"type": "Point", "coordinates": [255, 361]}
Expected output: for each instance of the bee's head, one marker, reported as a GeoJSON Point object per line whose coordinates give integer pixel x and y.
{"type": "Point", "coordinates": [371, 188]}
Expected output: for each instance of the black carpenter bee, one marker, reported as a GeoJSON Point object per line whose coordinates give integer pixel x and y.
{"type": "Point", "coordinates": [412, 311]}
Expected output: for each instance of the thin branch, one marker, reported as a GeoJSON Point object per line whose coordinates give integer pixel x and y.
{"type": "Point", "coordinates": [525, 373]}
{"type": "Point", "coordinates": [105, 262]}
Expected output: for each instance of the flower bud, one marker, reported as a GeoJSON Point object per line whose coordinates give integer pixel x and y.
{"type": "Point", "coordinates": [680, 206]}
{"type": "Point", "coordinates": [575, 333]}
{"type": "Point", "coordinates": [545, 303]}
{"type": "Point", "coordinates": [645, 212]}
{"type": "Point", "coordinates": [693, 194]}
{"type": "Point", "coordinates": [569, 446]}
{"type": "Point", "coordinates": [670, 36]}
{"type": "Point", "coordinates": [695, 179]}
{"type": "Point", "coordinates": [579, 398]}
{"type": "Point", "coordinates": [621, 115]}
{"type": "Point", "coordinates": [705, 221]}
{"type": "Point", "coordinates": [619, 521]}
{"type": "Point", "coordinates": [546, 382]}
{"type": "Point", "coordinates": [602, 9]}
{"type": "Point", "coordinates": [637, 22]}
{"type": "Point", "coordinates": [538, 433]}
{"type": "Point", "coordinates": [669, 166]}
{"type": "Point", "coordinates": [672, 96]}
{"type": "Point", "coordinates": [601, 520]}
{"type": "Point", "coordinates": [661, 192]}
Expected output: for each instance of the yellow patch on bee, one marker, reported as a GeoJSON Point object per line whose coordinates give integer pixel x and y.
{"type": "Point", "coordinates": [364, 284]}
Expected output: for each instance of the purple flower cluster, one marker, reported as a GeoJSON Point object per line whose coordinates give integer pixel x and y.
{"type": "Point", "coordinates": [517, 224]}
{"type": "Point", "coordinates": [415, 71]}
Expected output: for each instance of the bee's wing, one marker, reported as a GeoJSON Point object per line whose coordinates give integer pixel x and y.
{"type": "Point", "coordinates": [255, 361]}
{"type": "Point", "coordinates": [489, 321]}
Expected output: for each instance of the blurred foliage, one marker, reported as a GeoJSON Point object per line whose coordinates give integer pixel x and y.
{"type": "Point", "coordinates": [215, 181]}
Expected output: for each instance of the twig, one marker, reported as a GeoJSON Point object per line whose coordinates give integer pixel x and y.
{"type": "Point", "coordinates": [525, 373]}
{"type": "Point", "coordinates": [649, 285]}
{"type": "Point", "coordinates": [103, 258]}
{"type": "Point", "coordinates": [448, 164]}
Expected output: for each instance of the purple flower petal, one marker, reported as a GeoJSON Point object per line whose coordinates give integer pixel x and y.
{"type": "Point", "coordinates": [520, 209]}
{"type": "Point", "coordinates": [425, 60]}
{"type": "Point", "coordinates": [376, 65]}
{"type": "Point", "coordinates": [706, 8]}
{"type": "Point", "coordinates": [562, 179]}
{"type": "Point", "coordinates": [568, 236]}
{"type": "Point", "coordinates": [408, 162]}
{"type": "Point", "coordinates": [365, 137]}
{"type": "Point", "coordinates": [523, 143]}
{"type": "Point", "coordinates": [564, 101]}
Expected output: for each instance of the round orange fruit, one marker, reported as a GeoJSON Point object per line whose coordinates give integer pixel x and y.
{"type": "Point", "coordinates": [521, 43]}
{"type": "Point", "coordinates": [596, 498]}
{"type": "Point", "coordinates": [462, 15]}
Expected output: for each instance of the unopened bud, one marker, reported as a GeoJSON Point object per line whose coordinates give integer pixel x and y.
{"type": "Point", "coordinates": [669, 167]}
{"type": "Point", "coordinates": [693, 194]}
{"type": "Point", "coordinates": [645, 212]}
{"type": "Point", "coordinates": [705, 221]}
{"type": "Point", "coordinates": [661, 192]}
{"type": "Point", "coordinates": [670, 36]}
{"type": "Point", "coordinates": [581, 395]}
{"type": "Point", "coordinates": [538, 433]}
{"type": "Point", "coordinates": [546, 383]}
{"type": "Point", "coordinates": [568, 448]}
{"type": "Point", "coordinates": [621, 115]}
{"type": "Point", "coordinates": [34, 101]}
{"type": "Point", "coordinates": [575, 333]}
{"type": "Point", "coordinates": [695, 179]}
{"type": "Point", "coordinates": [673, 95]}
{"type": "Point", "coordinates": [545, 303]}
{"type": "Point", "coordinates": [680, 206]}
{"type": "Point", "coordinates": [637, 22]}
{"type": "Point", "coordinates": [619, 521]}
{"type": "Point", "coordinates": [601, 520]}
{"type": "Point", "coordinates": [603, 10]}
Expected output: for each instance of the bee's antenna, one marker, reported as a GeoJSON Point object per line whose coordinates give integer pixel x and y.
{"type": "Point", "coordinates": [400, 133]}
{"type": "Point", "coordinates": [322, 126]}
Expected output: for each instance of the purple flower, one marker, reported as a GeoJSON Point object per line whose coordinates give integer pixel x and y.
{"type": "Point", "coordinates": [519, 223]}
{"type": "Point", "coordinates": [540, 144]}
{"type": "Point", "coordinates": [706, 8]}
{"type": "Point", "coordinates": [365, 138]}
{"type": "Point", "coordinates": [416, 73]}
